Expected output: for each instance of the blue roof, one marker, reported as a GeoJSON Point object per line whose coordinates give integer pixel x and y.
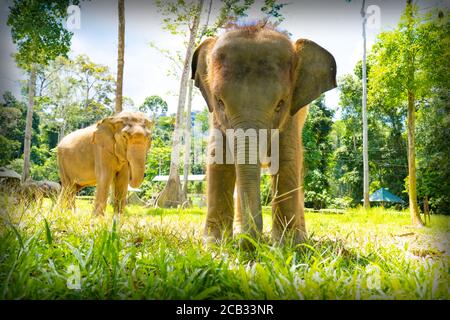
{"type": "Point", "coordinates": [383, 195]}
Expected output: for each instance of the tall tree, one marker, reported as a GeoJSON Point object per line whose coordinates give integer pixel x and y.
{"type": "Point", "coordinates": [433, 153]}
{"type": "Point", "coordinates": [187, 140]}
{"type": "Point", "coordinates": [410, 55]}
{"type": "Point", "coordinates": [96, 88]}
{"type": "Point", "coordinates": [73, 94]}
{"type": "Point", "coordinates": [120, 55]}
{"type": "Point", "coordinates": [172, 194]}
{"type": "Point", "coordinates": [407, 62]}
{"type": "Point", "coordinates": [37, 29]}
{"type": "Point", "coordinates": [433, 117]}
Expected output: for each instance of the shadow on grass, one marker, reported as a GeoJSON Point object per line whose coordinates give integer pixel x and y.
{"type": "Point", "coordinates": [312, 250]}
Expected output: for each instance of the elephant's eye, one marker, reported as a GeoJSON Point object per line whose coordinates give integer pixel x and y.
{"type": "Point", "coordinates": [279, 106]}
{"type": "Point", "coordinates": [220, 104]}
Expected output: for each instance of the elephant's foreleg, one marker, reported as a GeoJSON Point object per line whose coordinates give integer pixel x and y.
{"type": "Point", "coordinates": [221, 178]}
{"type": "Point", "coordinates": [219, 218]}
{"type": "Point", "coordinates": [287, 188]}
{"type": "Point", "coordinates": [120, 190]}
{"type": "Point", "coordinates": [104, 180]}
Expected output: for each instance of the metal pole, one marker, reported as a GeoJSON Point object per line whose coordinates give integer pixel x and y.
{"type": "Point", "coordinates": [364, 112]}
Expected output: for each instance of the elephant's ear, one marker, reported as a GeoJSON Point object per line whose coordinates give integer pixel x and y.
{"type": "Point", "coordinates": [108, 135]}
{"type": "Point", "coordinates": [120, 148]}
{"type": "Point", "coordinates": [199, 68]}
{"type": "Point", "coordinates": [103, 132]}
{"type": "Point", "coordinates": [315, 73]}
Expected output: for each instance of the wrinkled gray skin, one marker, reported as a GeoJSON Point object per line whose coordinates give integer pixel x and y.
{"type": "Point", "coordinates": [255, 77]}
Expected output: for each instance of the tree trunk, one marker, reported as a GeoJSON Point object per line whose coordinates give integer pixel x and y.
{"type": "Point", "coordinates": [29, 125]}
{"type": "Point", "coordinates": [172, 195]}
{"type": "Point", "coordinates": [120, 56]}
{"type": "Point", "coordinates": [413, 207]}
{"type": "Point", "coordinates": [187, 140]}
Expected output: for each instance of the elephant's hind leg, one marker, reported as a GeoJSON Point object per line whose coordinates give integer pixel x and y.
{"type": "Point", "coordinates": [66, 199]}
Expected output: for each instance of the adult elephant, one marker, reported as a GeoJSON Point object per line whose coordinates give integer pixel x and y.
{"type": "Point", "coordinates": [254, 77]}
{"type": "Point", "coordinates": [113, 151]}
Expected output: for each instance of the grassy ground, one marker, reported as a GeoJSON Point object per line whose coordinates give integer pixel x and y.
{"type": "Point", "coordinates": [158, 254]}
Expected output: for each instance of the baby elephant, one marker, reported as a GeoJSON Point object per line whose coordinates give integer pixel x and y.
{"type": "Point", "coordinates": [255, 79]}
{"type": "Point", "coordinates": [113, 151]}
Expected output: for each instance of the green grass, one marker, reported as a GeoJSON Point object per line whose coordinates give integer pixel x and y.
{"type": "Point", "coordinates": [158, 254]}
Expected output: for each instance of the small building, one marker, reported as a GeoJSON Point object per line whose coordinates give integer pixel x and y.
{"type": "Point", "coordinates": [384, 196]}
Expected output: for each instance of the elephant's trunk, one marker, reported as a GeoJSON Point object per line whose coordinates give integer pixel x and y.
{"type": "Point", "coordinates": [248, 181]}
{"type": "Point", "coordinates": [136, 155]}
{"type": "Point", "coordinates": [248, 189]}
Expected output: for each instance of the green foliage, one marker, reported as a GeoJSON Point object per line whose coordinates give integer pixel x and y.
{"type": "Point", "coordinates": [433, 153]}
{"type": "Point", "coordinates": [414, 57]}
{"type": "Point", "coordinates": [12, 131]}
{"type": "Point", "coordinates": [409, 58]}
{"type": "Point", "coordinates": [318, 150]}
{"type": "Point", "coordinates": [231, 10]}
{"type": "Point", "coordinates": [47, 167]}
{"type": "Point", "coordinates": [7, 149]}
{"type": "Point", "coordinates": [202, 117]}
{"type": "Point", "coordinates": [37, 29]}
{"type": "Point", "coordinates": [158, 254]}
{"type": "Point", "coordinates": [266, 190]}
{"type": "Point", "coordinates": [272, 9]}
{"type": "Point", "coordinates": [154, 106]}
{"type": "Point", "coordinates": [70, 95]}
{"type": "Point", "coordinates": [11, 137]}
{"type": "Point", "coordinates": [16, 165]}
{"type": "Point", "coordinates": [158, 161]}
{"type": "Point", "coordinates": [74, 94]}
{"type": "Point", "coordinates": [341, 203]}
{"type": "Point", "coordinates": [177, 14]}
{"type": "Point", "coordinates": [387, 145]}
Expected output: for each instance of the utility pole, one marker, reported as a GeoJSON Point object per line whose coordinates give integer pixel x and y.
{"type": "Point", "coordinates": [364, 112]}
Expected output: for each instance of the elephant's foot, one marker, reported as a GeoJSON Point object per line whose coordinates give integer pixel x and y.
{"type": "Point", "coordinates": [216, 233]}
{"type": "Point", "coordinates": [119, 212]}
{"type": "Point", "coordinates": [98, 212]}
{"type": "Point", "coordinates": [119, 208]}
{"type": "Point", "coordinates": [247, 242]}
{"type": "Point", "coordinates": [290, 236]}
